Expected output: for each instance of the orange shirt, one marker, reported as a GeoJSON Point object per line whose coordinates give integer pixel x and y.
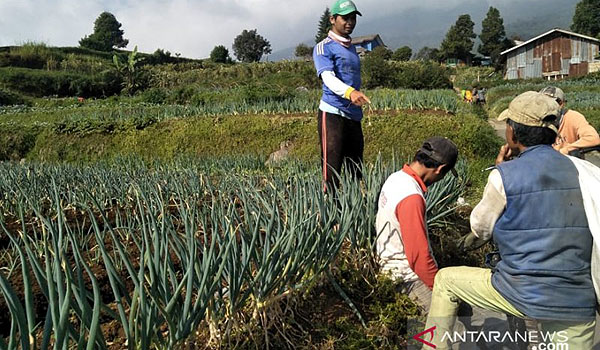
{"type": "Point", "coordinates": [575, 132]}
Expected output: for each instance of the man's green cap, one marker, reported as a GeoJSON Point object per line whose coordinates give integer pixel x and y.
{"type": "Point", "coordinates": [344, 7]}
{"type": "Point", "coordinates": [533, 108]}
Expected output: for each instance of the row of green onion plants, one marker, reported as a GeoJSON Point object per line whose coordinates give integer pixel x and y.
{"type": "Point", "coordinates": [302, 102]}
{"type": "Point", "coordinates": [164, 250]}
{"type": "Point", "coordinates": [580, 93]}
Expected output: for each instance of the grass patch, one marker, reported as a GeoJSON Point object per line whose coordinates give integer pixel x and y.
{"type": "Point", "coordinates": [388, 133]}
{"type": "Point", "coordinates": [592, 116]}
{"type": "Point", "coordinates": [17, 142]}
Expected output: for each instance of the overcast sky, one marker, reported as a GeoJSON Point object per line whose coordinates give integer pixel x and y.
{"type": "Point", "coordinates": [190, 27]}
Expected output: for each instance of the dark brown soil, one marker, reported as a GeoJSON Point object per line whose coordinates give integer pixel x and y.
{"type": "Point", "coordinates": [39, 300]}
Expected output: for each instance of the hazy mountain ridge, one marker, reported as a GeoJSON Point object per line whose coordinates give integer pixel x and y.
{"type": "Point", "coordinates": [419, 27]}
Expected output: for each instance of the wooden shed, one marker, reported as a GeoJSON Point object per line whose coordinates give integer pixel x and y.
{"type": "Point", "coordinates": [555, 54]}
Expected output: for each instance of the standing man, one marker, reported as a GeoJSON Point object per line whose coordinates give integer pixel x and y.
{"type": "Point", "coordinates": [402, 240]}
{"type": "Point", "coordinates": [340, 112]}
{"type": "Point", "coordinates": [574, 131]}
{"type": "Point", "coordinates": [534, 207]}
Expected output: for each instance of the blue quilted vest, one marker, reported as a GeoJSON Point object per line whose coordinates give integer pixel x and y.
{"type": "Point", "coordinates": [544, 239]}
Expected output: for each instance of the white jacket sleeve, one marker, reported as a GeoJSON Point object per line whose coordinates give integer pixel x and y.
{"type": "Point", "coordinates": [490, 208]}
{"type": "Point", "coordinates": [336, 85]}
{"type": "Point", "coordinates": [589, 182]}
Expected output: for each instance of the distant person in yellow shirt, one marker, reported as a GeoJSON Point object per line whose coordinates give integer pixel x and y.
{"type": "Point", "coordinates": [469, 96]}
{"type": "Point", "coordinates": [574, 132]}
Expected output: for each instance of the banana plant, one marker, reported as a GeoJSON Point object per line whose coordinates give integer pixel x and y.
{"type": "Point", "coordinates": [129, 70]}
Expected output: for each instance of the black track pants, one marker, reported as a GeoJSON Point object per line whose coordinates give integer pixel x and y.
{"type": "Point", "coordinates": [342, 144]}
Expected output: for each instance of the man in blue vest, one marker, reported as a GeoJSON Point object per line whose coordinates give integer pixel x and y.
{"type": "Point", "coordinates": [534, 207]}
{"type": "Point", "coordinates": [340, 113]}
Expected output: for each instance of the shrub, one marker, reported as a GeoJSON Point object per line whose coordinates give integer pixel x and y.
{"type": "Point", "coordinates": [303, 51]}
{"type": "Point", "coordinates": [181, 95]}
{"type": "Point", "coordinates": [31, 55]}
{"type": "Point", "coordinates": [15, 143]}
{"type": "Point", "coordinates": [421, 75]}
{"type": "Point", "coordinates": [83, 64]}
{"type": "Point", "coordinates": [220, 54]}
{"type": "Point", "coordinates": [44, 83]}
{"type": "Point", "coordinates": [36, 82]}
{"type": "Point", "coordinates": [154, 95]}
{"type": "Point", "coordinates": [8, 97]}
{"type": "Point", "coordinates": [159, 56]}
{"type": "Point", "coordinates": [211, 75]}
{"type": "Point", "coordinates": [382, 52]}
{"type": "Point", "coordinates": [378, 72]}
{"type": "Point", "coordinates": [403, 53]}
{"type": "Point", "coordinates": [205, 97]}
{"type": "Point", "coordinates": [86, 52]}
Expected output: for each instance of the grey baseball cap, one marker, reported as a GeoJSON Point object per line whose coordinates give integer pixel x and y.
{"type": "Point", "coordinates": [554, 92]}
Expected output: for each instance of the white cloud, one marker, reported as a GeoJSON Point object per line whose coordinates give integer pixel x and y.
{"type": "Point", "coordinates": [193, 28]}
{"type": "Point", "coordinates": [189, 27]}
{"type": "Point", "coordinates": [59, 23]}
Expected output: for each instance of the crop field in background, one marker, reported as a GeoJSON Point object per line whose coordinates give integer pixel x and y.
{"type": "Point", "coordinates": [582, 95]}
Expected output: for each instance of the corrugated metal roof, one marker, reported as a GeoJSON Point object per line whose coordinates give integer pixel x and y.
{"type": "Point", "coordinates": [547, 33]}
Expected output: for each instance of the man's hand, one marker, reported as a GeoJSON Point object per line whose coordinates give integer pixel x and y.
{"type": "Point", "coordinates": [358, 98]}
{"type": "Point", "coordinates": [470, 242]}
{"type": "Point", "coordinates": [504, 154]}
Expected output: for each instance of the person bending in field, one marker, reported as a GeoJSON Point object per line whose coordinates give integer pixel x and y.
{"type": "Point", "coordinates": [403, 245]}
{"type": "Point", "coordinates": [574, 131]}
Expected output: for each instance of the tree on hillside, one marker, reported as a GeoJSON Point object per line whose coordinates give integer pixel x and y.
{"type": "Point", "coordinates": [459, 39]}
{"type": "Point", "coordinates": [493, 36]}
{"type": "Point", "coordinates": [516, 37]}
{"type": "Point", "coordinates": [159, 56]}
{"type": "Point", "coordinates": [403, 53]}
{"type": "Point", "coordinates": [249, 46]}
{"type": "Point", "coordinates": [107, 34]}
{"type": "Point", "coordinates": [428, 53]}
{"type": "Point", "coordinates": [220, 54]}
{"type": "Point", "coordinates": [586, 19]}
{"type": "Point", "coordinates": [382, 52]}
{"type": "Point", "coordinates": [324, 26]}
{"type": "Point", "coordinates": [303, 51]}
